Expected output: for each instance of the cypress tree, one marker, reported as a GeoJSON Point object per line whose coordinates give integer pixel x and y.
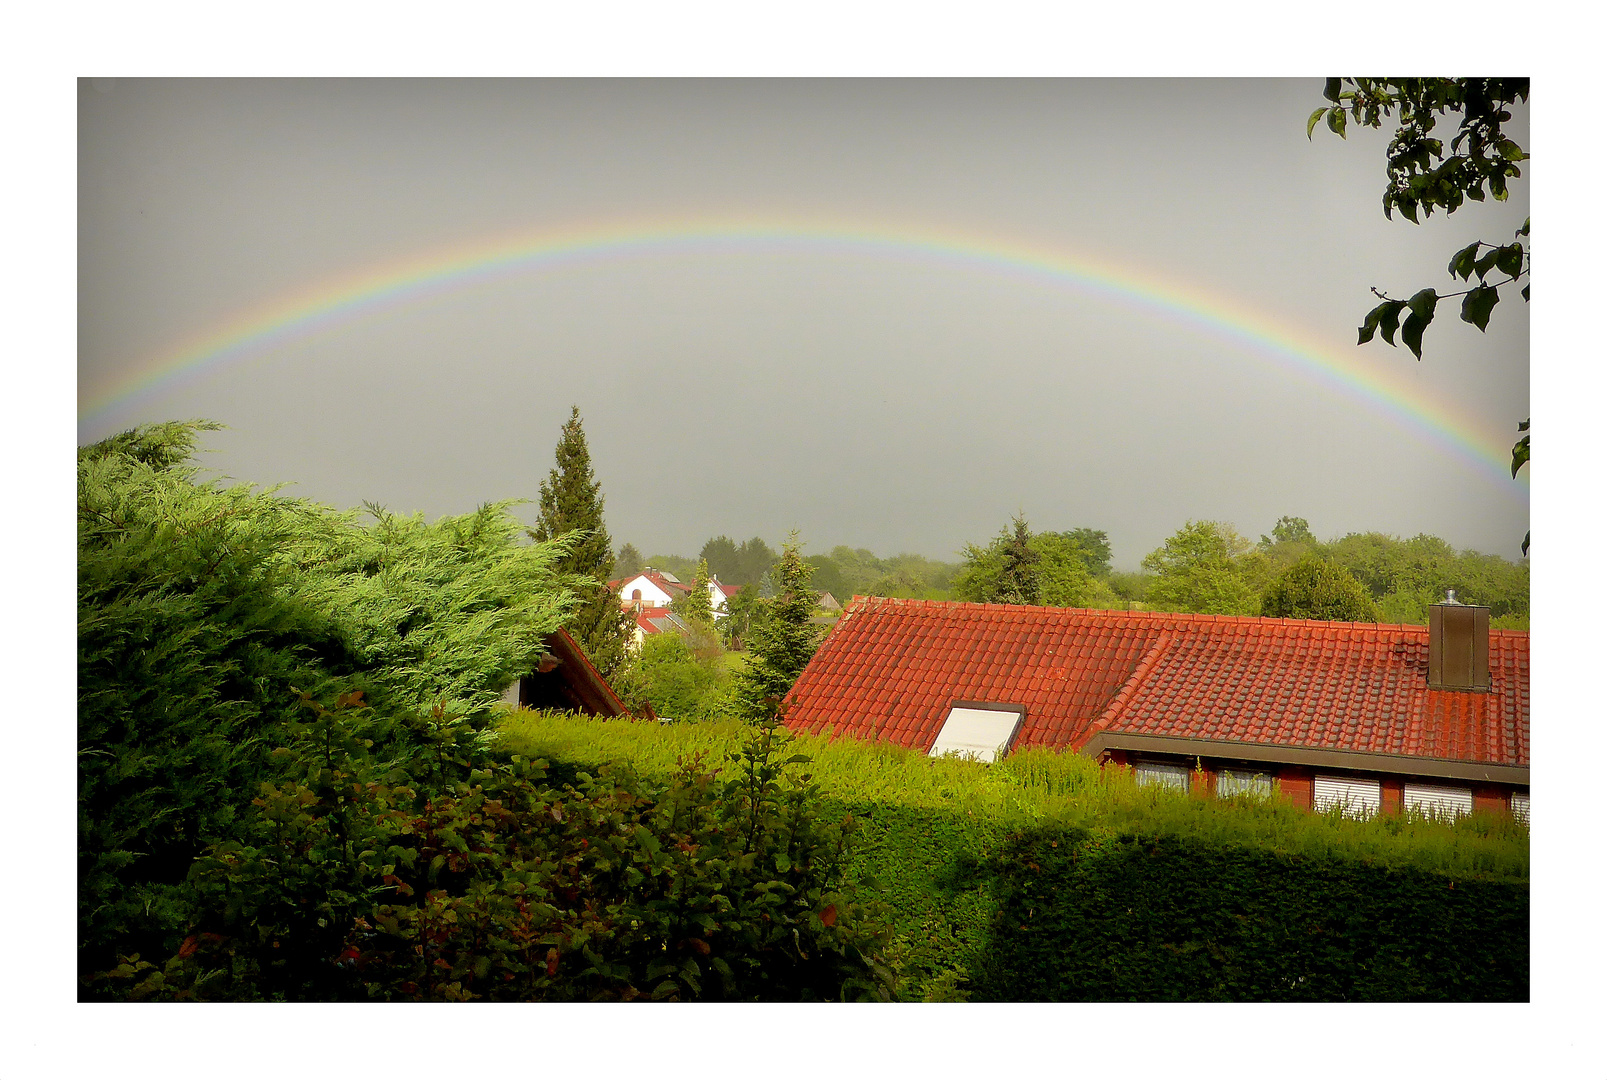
{"type": "Point", "coordinates": [784, 640]}
{"type": "Point", "coordinates": [572, 499]}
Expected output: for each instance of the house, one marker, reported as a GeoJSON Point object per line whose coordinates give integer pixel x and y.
{"type": "Point", "coordinates": [828, 602]}
{"type": "Point", "coordinates": [566, 679]}
{"type": "Point", "coordinates": [1373, 717]}
{"type": "Point", "coordinates": [657, 588]}
{"type": "Point", "coordinates": [651, 621]}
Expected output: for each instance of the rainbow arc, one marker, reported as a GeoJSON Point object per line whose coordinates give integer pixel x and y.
{"type": "Point", "coordinates": [397, 284]}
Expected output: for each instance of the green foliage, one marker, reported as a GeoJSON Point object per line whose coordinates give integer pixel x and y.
{"type": "Point", "coordinates": [742, 611]}
{"type": "Point", "coordinates": [783, 641]}
{"type": "Point", "coordinates": [1315, 588]}
{"type": "Point", "coordinates": [384, 848]}
{"type": "Point", "coordinates": [572, 502]}
{"type": "Point", "coordinates": [1406, 576]}
{"type": "Point", "coordinates": [201, 606]}
{"type": "Point", "coordinates": [930, 831]}
{"type": "Point", "coordinates": [697, 606]}
{"type": "Point", "coordinates": [1208, 568]}
{"type": "Point", "coordinates": [1020, 567]}
{"type": "Point", "coordinates": [1095, 547]}
{"type": "Point", "coordinates": [464, 876]}
{"type": "Point", "coordinates": [1193, 921]}
{"type": "Point", "coordinates": [1422, 176]}
{"type": "Point", "coordinates": [679, 683]}
{"type": "Point", "coordinates": [740, 566]}
{"type": "Point", "coordinates": [849, 572]}
{"type": "Point", "coordinates": [628, 563]}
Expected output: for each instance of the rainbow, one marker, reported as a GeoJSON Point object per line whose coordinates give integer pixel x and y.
{"type": "Point", "coordinates": [434, 273]}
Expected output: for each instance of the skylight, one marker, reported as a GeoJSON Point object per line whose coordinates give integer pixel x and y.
{"type": "Point", "coordinates": [978, 730]}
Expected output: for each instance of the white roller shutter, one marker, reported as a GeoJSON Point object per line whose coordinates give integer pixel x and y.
{"type": "Point", "coordinates": [980, 734]}
{"type": "Point", "coordinates": [1244, 782]}
{"type": "Point", "coordinates": [1359, 798]}
{"type": "Point", "coordinates": [1175, 777]}
{"type": "Point", "coordinates": [1436, 801]}
{"type": "Point", "coordinates": [1520, 806]}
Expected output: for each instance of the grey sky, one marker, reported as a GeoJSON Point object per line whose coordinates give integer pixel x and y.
{"type": "Point", "coordinates": [880, 404]}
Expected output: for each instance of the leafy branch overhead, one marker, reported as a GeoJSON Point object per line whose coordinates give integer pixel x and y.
{"type": "Point", "coordinates": [1423, 177]}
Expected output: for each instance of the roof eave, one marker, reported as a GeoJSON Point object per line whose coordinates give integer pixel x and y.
{"type": "Point", "coordinates": [1315, 757]}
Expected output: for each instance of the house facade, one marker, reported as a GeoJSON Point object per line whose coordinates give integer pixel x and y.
{"type": "Point", "coordinates": [657, 588]}
{"type": "Point", "coordinates": [1376, 718]}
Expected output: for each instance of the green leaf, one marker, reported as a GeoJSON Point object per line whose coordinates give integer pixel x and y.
{"type": "Point", "coordinates": [1524, 231]}
{"type": "Point", "coordinates": [1330, 89]}
{"type": "Point", "coordinates": [1422, 304]}
{"type": "Point", "coordinates": [1364, 333]}
{"type": "Point", "coordinates": [1462, 262]}
{"type": "Point", "coordinates": [1487, 263]}
{"type": "Point", "coordinates": [1525, 293]}
{"type": "Point", "coordinates": [1520, 455]}
{"type": "Point", "coordinates": [1412, 333]}
{"type": "Point", "coordinates": [1509, 260]}
{"type": "Point", "coordinates": [1311, 124]}
{"type": "Point", "coordinates": [1336, 121]}
{"type": "Point", "coordinates": [1477, 304]}
{"type": "Point", "coordinates": [1391, 319]}
{"type": "Point", "coordinates": [1525, 544]}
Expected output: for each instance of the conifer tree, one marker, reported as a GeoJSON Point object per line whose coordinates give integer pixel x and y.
{"type": "Point", "coordinates": [1019, 581]}
{"type": "Point", "coordinates": [628, 562]}
{"type": "Point", "coordinates": [783, 641]}
{"type": "Point", "coordinates": [571, 499]}
{"type": "Point", "coordinates": [697, 606]}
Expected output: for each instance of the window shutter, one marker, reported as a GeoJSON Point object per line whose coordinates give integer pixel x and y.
{"type": "Point", "coordinates": [1436, 801]}
{"type": "Point", "coordinates": [1520, 806]}
{"type": "Point", "coordinates": [1359, 798]}
{"type": "Point", "coordinates": [1174, 777]}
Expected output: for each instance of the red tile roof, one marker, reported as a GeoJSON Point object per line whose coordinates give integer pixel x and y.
{"type": "Point", "coordinates": [670, 588]}
{"type": "Point", "coordinates": [892, 668]}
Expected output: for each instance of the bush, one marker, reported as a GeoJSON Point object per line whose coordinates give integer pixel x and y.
{"type": "Point", "coordinates": [1103, 915]}
{"type": "Point", "coordinates": [675, 680]}
{"type": "Point", "coordinates": [1315, 588]}
{"type": "Point", "coordinates": [458, 875]}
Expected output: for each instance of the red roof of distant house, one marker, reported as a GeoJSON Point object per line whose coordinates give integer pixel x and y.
{"type": "Point", "coordinates": [669, 587]}
{"type": "Point", "coordinates": [892, 668]}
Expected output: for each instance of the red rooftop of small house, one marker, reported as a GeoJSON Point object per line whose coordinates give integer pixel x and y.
{"type": "Point", "coordinates": [892, 668]}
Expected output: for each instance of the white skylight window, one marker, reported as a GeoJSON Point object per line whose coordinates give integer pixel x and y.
{"type": "Point", "coordinates": [978, 730]}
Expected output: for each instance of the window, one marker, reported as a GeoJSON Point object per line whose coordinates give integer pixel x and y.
{"type": "Point", "coordinates": [1244, 782]}
{"type": "Point", "coordinates": [1434, 801]}
{"type": "Point", "coordinates": [1162, 774]}
{"type": "Point", "coordinates": [1520, 806]}
{"type": "Point", "coordinates": [978, 731]}
{"type": "Point", "coordinates": [1357, 798]}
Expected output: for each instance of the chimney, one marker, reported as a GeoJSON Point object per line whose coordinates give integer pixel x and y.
{"type": "Point", "coordinates": [1458, 646]}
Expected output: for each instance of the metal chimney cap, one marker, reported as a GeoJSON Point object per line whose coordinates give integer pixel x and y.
{"type": "Point", "coordinates": [1450, 598]}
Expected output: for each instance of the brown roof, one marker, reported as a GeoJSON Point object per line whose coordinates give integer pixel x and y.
{"type": "Point", "coordinates": [892, 668]}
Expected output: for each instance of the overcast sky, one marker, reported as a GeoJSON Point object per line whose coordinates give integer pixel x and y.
{"type": "Point", "coordinates": [893, 403]}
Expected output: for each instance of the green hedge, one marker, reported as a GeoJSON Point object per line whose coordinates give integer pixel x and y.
{"type": "Point", "coordinates": [1015, 882]}
{"type": "Point", "coordinates": [1097, 916]}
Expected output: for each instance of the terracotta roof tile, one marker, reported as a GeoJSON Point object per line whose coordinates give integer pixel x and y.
{"type": "Point", "coordinates": [891, 668]}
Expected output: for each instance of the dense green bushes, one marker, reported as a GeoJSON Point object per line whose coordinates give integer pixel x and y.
{"type": "Point", "coordinates": [949, 845]}
{"type": "Point", "coordinates": [1109, 916]}
{"type": "Point", "coordinates": [460, 875]}
{"type": "Point", "coordinates": [238, 841]}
